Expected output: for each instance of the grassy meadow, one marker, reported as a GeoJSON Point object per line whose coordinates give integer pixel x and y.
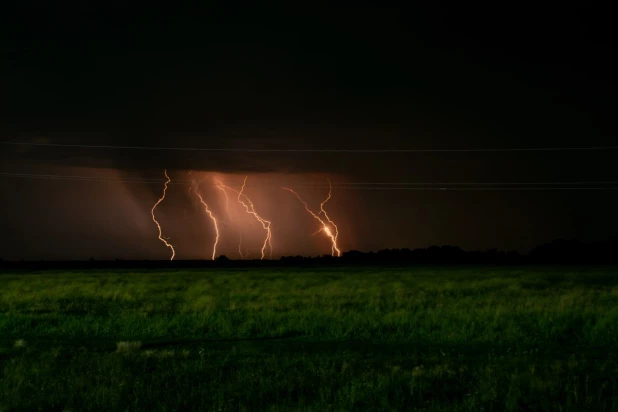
{"type": "Point", "coordinates": [420, 338]}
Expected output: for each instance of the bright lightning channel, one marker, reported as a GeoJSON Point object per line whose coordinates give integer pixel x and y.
{"type": "Point", "coordinates": [336, 234]}
{"type": "Point", "coordinates": [250, 208]}
{"type": "Point", "coordinates": [161, 238]}
{"type": "Point", "coordinates": [324, 228]}
{"type": "Point", "coordinates": [212, 217]}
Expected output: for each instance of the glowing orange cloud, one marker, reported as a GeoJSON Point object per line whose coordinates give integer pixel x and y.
{"type": "Point", "coordinates": [214, 221]}
{"type": "Point", "coordinates": [222, 187]}
{"type": "Point", "coordinates": [161, 238]}
{"type": "Point", "coordinates": [227, 199]}
{"type": "Point", "coordinates": [324, 228]}
{"type": "Point", "coordinates": [250, 208]}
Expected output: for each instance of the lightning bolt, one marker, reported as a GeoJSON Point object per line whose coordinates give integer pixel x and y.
{"type": "Point", "coordinates": [324, 228]}
{"type": "Point", "coordinates": [240, 247]}
{"type": "Point", "coordinates": [250, 208]}
{"type": "Point", "coordinates": [212, 217]}
{"type": "Point", "coordinates": [336, 235]}
{"type": "Point", "coordinates": [161, 238]}
{"type": "Point", "coordinates": [265, 223]}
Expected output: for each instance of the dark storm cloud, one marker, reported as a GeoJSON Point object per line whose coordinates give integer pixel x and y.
{"type": "Point", "coordinates": [150, 75]}
{"type": "Point", "coordinates": [348, 77]}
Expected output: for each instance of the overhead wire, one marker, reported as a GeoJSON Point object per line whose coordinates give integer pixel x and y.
{"type": "Point", "coordinates": [305, 150]}
{"type": "Point", "coordinates": [437, 186]}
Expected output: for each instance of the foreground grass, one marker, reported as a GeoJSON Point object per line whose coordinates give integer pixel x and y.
{"type": "Point", "coordinates": [359, 339]}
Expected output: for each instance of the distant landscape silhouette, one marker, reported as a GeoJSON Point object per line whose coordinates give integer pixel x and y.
{"type": "Point", "coordinates": [559, 251]}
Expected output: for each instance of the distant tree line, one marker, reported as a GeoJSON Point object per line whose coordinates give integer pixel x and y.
{"type": "Point", "coordinates": [555, 252]}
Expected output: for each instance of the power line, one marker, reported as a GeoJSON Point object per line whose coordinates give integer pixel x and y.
{"type": "Point", "coordinates": [475, 189]}
{"type": "Point", "coordinates": [33, 175]}
{"type": "Point", "coordinates": [347, 186]}
{"type": "Point", "coordinates": [456, 184]}
{"type": "Point", "coordinates": [202, 149]}
{"type": "Point", "coordinates": [304, 184]}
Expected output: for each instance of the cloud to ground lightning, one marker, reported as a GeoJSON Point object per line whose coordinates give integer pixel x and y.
{"type": "Point", "coordinates": [242, 255]}
{"type": "Point", "coordinates": [250, 209]}
{"type": "Point", "coordinates": [161, 238]}
{"type": "Point", "coordinates": [335, 236]}
{"type": "Point", "coordinates": [325, 227]}
{"type": "Point", "coordinates": [212, 217]}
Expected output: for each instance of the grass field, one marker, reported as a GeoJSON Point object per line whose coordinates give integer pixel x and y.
{"type": "Point", "coordinates": [422, 338]}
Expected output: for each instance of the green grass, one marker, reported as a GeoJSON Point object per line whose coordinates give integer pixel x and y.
{"type": "Point", "coordinates": [421, 338]}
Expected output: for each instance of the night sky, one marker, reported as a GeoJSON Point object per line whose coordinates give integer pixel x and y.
{"type": "Point", "coordinates": [346, 78]}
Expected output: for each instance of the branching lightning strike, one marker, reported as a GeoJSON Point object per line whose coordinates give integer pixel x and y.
{"type": "Point", "coordinates": [265, 223]}
{"type": "Point", "coordinates": [212, 217]}
{"type": "Point", "coordinates": [332, 236]}
{"type": "Point", "coordinates": [161, 238]}
{"type": "Point", "coordinates": [250, 208]}
{"type": "Point", "coordinates": [336, 234]}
